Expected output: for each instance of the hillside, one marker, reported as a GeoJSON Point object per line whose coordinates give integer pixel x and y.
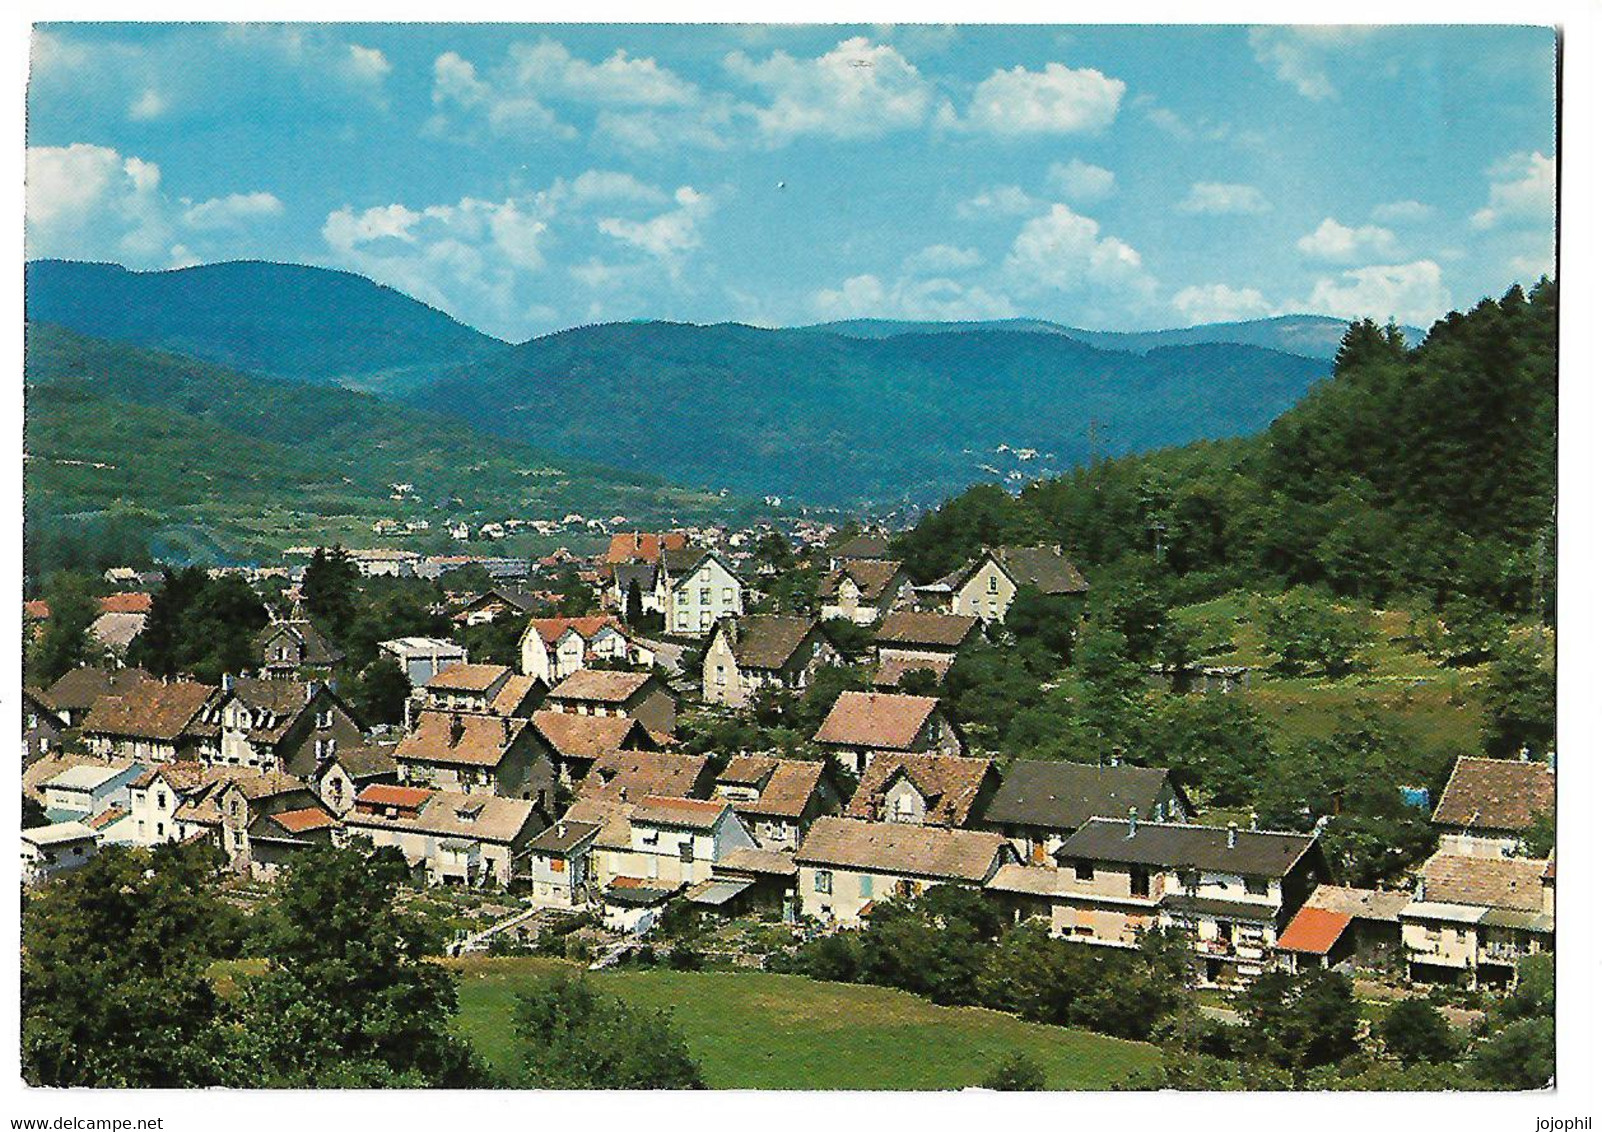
{"type": "Point", "coordinates": [215, 466]}
{"type": "Point", "coordinates": [846, 420]}
{"type": "Point", "coordinates": [280, 320]}
{"type": "Point", "coordinates": [1310, 335]}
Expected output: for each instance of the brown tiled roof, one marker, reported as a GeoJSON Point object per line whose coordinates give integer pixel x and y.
{"type": "Point", "coordinates": [302, 821]}
{"type": "Point", "coordinates": [551, 629]}
{"type": "Point", "coordinates": [1359, 903]}
{"type": "Point", "coordinates": [185, 777]}
{"type": "Point", "coordinates": [467, 677]}
{"type": "Point", "coordinates": [1493, 882]}
{"type": "Point", "coordinates": [1496, 794]}
{"type": "Point", "coordinates": [766, 862]}
{"type": "Point", "coordinates": [915, 850]}
{"type": "Point", "coordinates": [268, 784]}
{"type": "Point", "coordinates": [876, 719]}
{"type": "Point", "coordinates": [588, 736]}
{"type": "Point", "coordinates": [600, 685]}
{"type": "Point", "coordinates": [150, 710]}
{"type": "Point", "coordinates": [512, 694]}
{"type": "Point", "coordinates": [950, 786]}
{"type": "Point", "coordinates": [117, 630]}
{"type": "Point", "coordinates": [865, 545]}
{"type": "Point", "coordinates": [1042, 567]}
{"type": "Point", "coordinates": [688, 813]}
{"type": "Point", "coordinates": [282, 700]}
{"type": "Point", "coordinates": [788, 791]}
{"type": "Point", "coordinates": [749, 770]}
{"type": "Point", "coordinates": [125, 603]}
{"type": "Point", "coordinates": [384, 794]}
{"type": "Point", "coordinates": [80, 688]}
{"type": "Point", "coordinates": [636, 546]}
{"type": "Point", "coordinates": [109, 816]}
{"type": "Point", "coordinates": [937, 630]}
{"type": "Point", "coordinates": [767, 642]}
{"type": "Point", "coordinates": [482, 740]}
{"type": "Point", "coordinates": [472, 817]}
{"type": "Point", "coordinates": [1313, 931]}
{"type": "Point", "coordinates": [611, 815]}
{"type": "Point", "coordinates": [891, 670]}
{"type": "Point", "coordinates": [366, 760]}
{"type": "Point", "coordinates": [1027, 880]}
{"type": "Point", "coordinates": [872, 576]}
{"type": "Point", "coordinates": [638, 774]}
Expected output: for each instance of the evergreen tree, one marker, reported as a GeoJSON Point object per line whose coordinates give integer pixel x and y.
{"type": "Point", "coordinates": [329, 589]}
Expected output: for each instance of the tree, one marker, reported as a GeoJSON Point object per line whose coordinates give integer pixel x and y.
{"type": "Point", "coordinates": [1521, 702]}
{"type": "Point", "coordinates": [33, 812]}
{"type": "Point", "coordinates": [575, 1037]}
{"type": "Point", "coordinates": [65, 642]}
{"type": "Point", "coordinates": [1050, 622]}
{"type": "Point", "coordinates": [329, 589]}
{"type": "Point", "coordinates": [634, 605]}
{"type": "Point", "coordinates": [1520, 1051]}
{"type": "Point", "coordinates": [1309, 634]}
{"type": "Point", "coordinates": [200, 625]}
{"type": "Point", "coordinates": [349, 997]}
{"type": "Point", "coordinates": [1302, 1021]}
{"type": "Point", "coordinates": [1015, 1073]}
{"type": "Point", "coordinates": [1414, 1031]}
{"type": "Point", "coordinates": [115, 991]}
{"type": "Point", "coordinates": [381, 692]}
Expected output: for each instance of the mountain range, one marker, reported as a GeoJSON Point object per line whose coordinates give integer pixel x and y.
{"type": "Point", "coordinates": [859, 413]}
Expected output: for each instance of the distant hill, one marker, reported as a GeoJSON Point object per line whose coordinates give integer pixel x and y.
{"type": "Point", "coordinates": [1311, 335]}
{"type": "Point", "coordinates": [281, 320]}
{"type": "Point", "coordinates": [219, 466]}
{"type": "Point", "coordinates": [839, 419]}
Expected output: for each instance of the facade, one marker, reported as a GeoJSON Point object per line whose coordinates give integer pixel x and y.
{"type": "Point", "coordinates": [622, 695]}
{"type": "Point", "coordinates": [863, 725]}
{"type": "Point", "coordinates": [778, 799]}
{"type": "Point", "coordinates": [1041, 804]}
{"type": "Point", "coordinates": [475, 754]}
{"type": "Point", "coordinates": [157, 798]}
{"type": "Point", "coordinates": [751, 654]}
{"type": "Point", "coordinates": [50, 850]}
{"type": "Point", "coordinates": [260, 820]}
{"type": "Point", "coordinates": [678, 841]}
{"type": "Point", "coordinates": [482, 689]}
{"type": "Point", "coordinates": [912, 641]}
{"type": "Point", "coordinates": [553, 648]}
{"type": "Point", "coordinates": [945, 790]}
{"type": "Point", "coordinates": [422, 658]}
{"type": "Point", "coordinates": [559, 865]}
{"type": "Point", "coordinates": [351, 769]}
{"type": "Point", "coordinates": [863, 590]}
{"type": "Point", "coordinates": [1474, 916]}
{"type": "Point", "coordinates": [293, 648]}
{"type": "Point", "coordinates": [83, 793]}
{"type": "Point", "coordinates": [574, 742]}
{"type": "Point", "coordinates": [273, 725]}
{"type": "Point", "coordinates": [985, 588]}
{"type": "Point", "coordinates": [471, 840]}
{"type": "Point", "coordinates": [845, 866]}
{"type": "Point", "coordinates": [699, 590]}
{"type": "Point", "coordinates": [43, 728]}
{"type": "Point", "coordinates": [1490, 805]}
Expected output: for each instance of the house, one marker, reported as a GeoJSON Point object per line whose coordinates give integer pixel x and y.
{"type": "Point", "coordinates": [632, 906]}
{"type": "Point", "coordinates": [777, 799]}
{"type": "Point", "coordinates": [422, 658]}
{"type": "Point", "coordinates": [1474, 916]}
{"type": "Point", "coordinates": [150, 722]}
{"type": "Point", "coordinates": [914, 641]}
{"type": "Point", "coordinates": [1490, 805]}
{"type": "Point", "coordinates": [1343, 927]}
{"type": "Point", "coordinates": [273, 724]}
{"type": "Point", "coordinates": [115, 630]}
{"type": "Point", "coordinates": [845, 865]}
{"type": "Point", "coordinates": [678, 840]}
{"type": "Point", "coordinates": [574, 742]}
{"type": "Point", "coordinates": [942, 790]}
{"type": "Point", "coordinates": [260, 820]}
{"type": "Point", "coordinates": [553, 648]}
{"type": "Point", "coordinates": [470, 753]}
{"type": "Point", "coordinates": [50, 850]}
{"type": "Point", "coordinates": [1231, 891]}
{"type": "Point", "coordinates": [635, 581]}
{"type": "Point", "coordinates": [1042, 803]}
{"type": "Point", "coordinates": [863, 590]}
{"type": "Point", "coordinates": [770, 874]}
{"type": "Point", "coordinates": [83, 792]}
{"type": "Point", "coordinates": [610, 853]}
{"type": "Point", "coordinates": [295, 648]}
{"type": "Point", "coordinates": [986, 586]}
{"type": "Point", "coordinates": [637, 547]}
{"type": "Point", "coordinates": [697, 589]}
{"type": "Point", "coordinates": [80, 689]}
{"type": "Point", "coordinates": [750, 654]}
{"type": "Point", "coordinates": [632, 775]}
{"type": "Point", "coordinates": [559, 864]}
{"type": "Point", "coordinates": [482, 689]}
{"type": "Point", "coordinates": [157, 796]}
{"type": "Point", "coordinates": [492, 605]}
{"type": "Point", "coordinates": [632, 695]}
{"type": "Point", "coordinates": [43, 728]}
{"type": "Point", "coordinates": [862, 725]}
{"type": "Point", "coordinates": [868, 545]}
{"type": "Point", "coordinates": [350, 769]}
{"type": "Point", "coordinates": [448, 838]}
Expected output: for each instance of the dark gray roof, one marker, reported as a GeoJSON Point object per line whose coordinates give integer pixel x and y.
{"type": "Point", "coordinates": [1064, 795]}
{"type": "Point", "coordinates": [1255, 853]}
{"type": "Point", "coordinates": [564, 836]}
{"type": "Point", "coordinates": [677, 562]}
{"type": "Point", "coordinates": [1043, 567]}
{"type": "Point", "coordinates": [1212, 906]}
{"type": "Point", "coordinates": [643, 573]}
{"type": "Point", "coordinates": [319, 649]}
{"type": "Point", "coordinates": [768, 641]}
{"type": "Point", "coordinates": [864, 546]}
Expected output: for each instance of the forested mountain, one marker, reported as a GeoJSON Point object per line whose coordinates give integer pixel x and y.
{"type": "Point", "coordinates": [281, 320]}
{"type": "Point", "coordinates": [834, 419]}
{"type": "Point", "coordinates": [128, 447]}
{"type": "Point", "coordinates": [1427, 471]}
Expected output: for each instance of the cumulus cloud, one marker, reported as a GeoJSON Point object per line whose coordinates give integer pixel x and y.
{"type": "Point", "coordinates": [1523, 191]}
{"type": "Point", "coordinates": [666, 234]}
{"type": "Point", "coordinates": [149, 105]}
{"type": "Point", "coordinates": [1213, 198]}
{"type": "Point", "coordinates": [617, 80]}
{"type": "Point", "coordinates": [1215, 302]}
{"type": "Point", "coordinates": [1081, 181]}
{"type": "Point", "coordinates": [857, 90]}
{"type": "Point", "coordinates": [366, 64]}
{"type": "Point", "coordinates": [1409, 292]}
{"type": "Point", "coordinates": [232, 210]}
{"type": "Point", "coordinates": [1334, 242]}
{"type": "Point", "coordinates": [1300, 56]}
{"type": "Point", "coordinates": [457, 84]}
{"type": "Point", "coordinates": [999, 200]}
{"type": "Point", "coordinates": [601, 184]}
{"type": "Point", "coordinates": [1056, 100]}
{"type": "Point", "coordinates": [1402, 212]}
{"type": "Point", "coordinates": [866, 296]}
{"type": "Point", "coordinates": [937, 258]}
{"type": "Point", "coordinates": [1066, 251]}
{"type": "Point", "coordinates": [89, 201]}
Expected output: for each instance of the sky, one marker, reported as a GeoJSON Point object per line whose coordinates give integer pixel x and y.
{"type": "Point", "coordinates": [529, 178]}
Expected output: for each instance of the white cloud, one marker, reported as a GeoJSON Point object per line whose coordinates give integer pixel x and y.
{"type": "Point", "coordinates": [667, 234]}
{"type": "Point", "coordinates": [600, 184]}
{"type": "Point", "coordinates": [1300, 56]}
{"type": "Point", "coordinates": [1409, 292]}
{"type": "Point", "coordinates": [1523, 191]}
{"type": "Point", "coordinates": [1533, 266]}
{"type": "Point", "coordinates": [944, 300]}
{"type": "Point", "coordinates": [180, 256]}
{"type": "Point", "coordinates": [1066, 251]}
{"type": "Point", "coordinates": [1215, 302]}
{"type": "Point", "coordinates": [148, 106]}
{"type": "Point", "coordinates": [1081, 181]}
{"type": "Point", "coordinates": [617, 80]}
{"type": "Point", "coordinates": [366, 64]}
{"type": "Point", "coordinates": [91, 202]}
{"type": "Point", "coordinates": [707, 125]}
{"type": "Point", "coordinates": [942, 257]}
{"type": "Point", "coordinates": [233, 210]}
{"type": "Point", "coordinates": [456, 82]}
{"type": "Point", "coordinates": [857, 90]}
{"type": "Point", "coordinates": [999, 200]}
{"type": "Point", "coordinates": [1213, 198]}
{"type": "Point", "coordinates": [1055, 100]}
{"type": "Point", "coordinates": [1334, 242]}
{"type": "Point", "coordinates": [1402, 212]}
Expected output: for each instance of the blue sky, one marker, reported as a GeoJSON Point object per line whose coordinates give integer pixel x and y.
{"type": "Point", "coordinates": [529, 178]}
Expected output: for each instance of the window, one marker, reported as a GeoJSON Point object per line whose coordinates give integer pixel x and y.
{"type": "Point", "coordinates": [684, 619]}
{"type": "Point", "coordinates": [706, 596]}
{"type": "Point", "coordinates": [1257, 886]}
{"type": "Point", "coordinates": [325, 719]}
{"type": "Point", "coordinates": [649, 837]}
{"type": "Point", "coordinates": [723, 676]}
{"type": "Point", "coordinates": [1139, 882]}
{"type": "Point", "coordinates": [993, 587]}
{"type": "Point", "coordinates": [161, 800]}
{"type": "Point", "coordinates": [687, 851]}
{"type": "Point", "coordinates": [1084, 870]}
{"type": "Point", "coordinates": [558, 864]}
{"type": "Point", "coordinates": [823, 881]}
{"type": "Point", "coordinates": [865, 887]}
{"type": "Point", "coordinates": [161, 828]}
{"type": "Point", "coordinates": [904, 810]}
{"type": "Point", "coordinates": [706, 573]}
{"type": "Point", "coordinates": [728, 595]}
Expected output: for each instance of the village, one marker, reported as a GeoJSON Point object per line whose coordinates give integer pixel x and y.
{"type": "Point", "coordinates": [577, 790]}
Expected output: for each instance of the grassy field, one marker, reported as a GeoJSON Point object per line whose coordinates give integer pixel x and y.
{"type": "Point", "coordinates": [754, 1030]}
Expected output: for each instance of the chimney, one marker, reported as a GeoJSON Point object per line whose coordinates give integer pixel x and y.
{"type": "Point", "coordinates": [1133, 820]}
{"type": "Point", "coordinates": [311, 690]}
{"type": "Point", "coordinates": [228, 682]}
{"type": "Point", "coordinates": [1234, 834]}
{"type": "Point", "coordinates": [622, 793]}
{"type": "Point", "coordinates": [561, 829]}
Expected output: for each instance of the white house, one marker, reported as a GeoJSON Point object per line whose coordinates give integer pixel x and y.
{"type": "Point", "coordinates": [701, 589]}
{"type": "Point", "coordinates": [422, 658]}
{"type": "Point", "coordinates": [50, 850]}
{"type": "Point", "coordinates": [553, 648]}
{"type": "Point", "coordinates": [84, 792]}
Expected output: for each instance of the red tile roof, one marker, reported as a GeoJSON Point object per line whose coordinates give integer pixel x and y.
{"type": "Point", "coordinates": [382, 794]}
{"type": "Point", "coordinates": [125, 603]}
{"type": "Point", "coordinates": [637, 547]}
{"type": "Point", "coordinates": [551, 629]}
{"type": "Point", "coordinates": [1496, 794]}
{"type": "Point", "coordinates": [875, 719]}
{"type": "Point", "coordinates": [300, 821]}
{"type": "Point", "coordinates": [1313, 931]}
